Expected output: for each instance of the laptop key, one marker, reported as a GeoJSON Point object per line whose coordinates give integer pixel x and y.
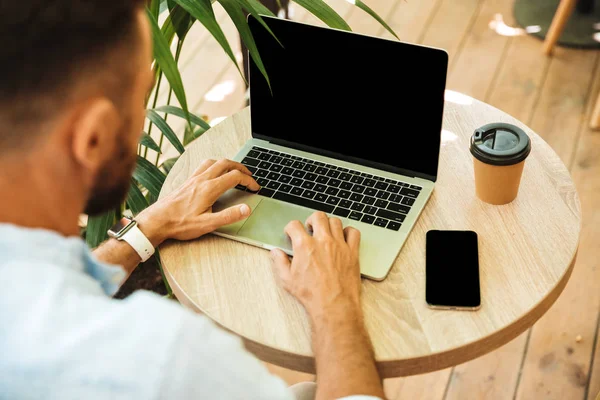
{"type": "Point", "coordinates": [344, 194]}
{"type": "Point", "coordinates": [273, 176]}
{"type": "Point", "coordinates": [395, 198]}
{"type": "Point", "coordinates": [377, 178]}
{"type": "Point", "coordinates": [357, 179]}
{"type": "Point", "coordinates": [381, 185]}
{"type": "Point", "coordinates": [355, 215]}
{"type": "Point", "coordinates": [381, 203]}
{"type": "Point", "coordinates": [287, 170]}
{"type": "Point", "coordinates": [262, 181]}
{"type": "Point", "coordinates": [299, 174]}
{"type": "Point", "coordinates": [366, 175]}
{"type": "Point", "coordinates": [285, 188]}
{"type": "Point", "coordinates": [288, 162]}
{"type": "Point", "coordinates": [308, 185]}
{"type": "Point", "coordinates": [322, 179]}
{"type": "Point", "coordinates": [358, 189]}
{"type": "Point", "coordinates": [381, 222]}
{"type": "Point", "coordinates": [394, 188]}
{"type": "Point", "coordinates": [264, 156]}
{"type": "Point", "coordinates": [252, 169]}
{"type": "Point", "coordinates": [321, 197]}
{"type": "Point", "coordinates": [389, 180]}
{"type": "Point", "coordinates": [332, 191]}
{"type": "Point", "coordinates": [370, 210]}
{"type": "Point", "coordinates": [332, 200]}
{"type": "Point", "coordinates": [297, 191]}
{"type": "Point", "coordinates": [253, 154]}
{"type": "Point", "coordinates": [356, 197]}
{"type": "Point", "coordinates": [357, 207]}
{"type": "Point", "coordinates": [273, 185]}
{"type": "Point", "coordinates": [264, 165]}
{"type": "Point", "coordinates": [276, 159]}
{"type": "Point", "coordinates": [310, 177]}
{"type": "Point", "coordinates": [398, 208]}
{"type": "Point", "coordinates": [369, 200]}
{"type": "Point", "coordinates": [296, 182]}
{"type": "Point", "coordinates": [369, 182]}
{"type": "Point", "coordinates": [284, 155]}
{"type": "Point", "coordinates": [285, 179]}
{"type": "Point", "coordinates": [320, 188]}
{"type": "Point", "coordinates": [368, 219]}
{"type": "Point", "coordinates": [266, 192]}
{"type": "Point", "coordinates": [409, 192]}
{"type": "Point", "coordinates": [261, 173]}
{"type": "Point", "coordinates": [276, 168]}
{"type": "Point", "coordinates": [321, 171]}
{"type": "Point", "coordinates": [402, 184]}
{"type": "Point", "coordinates": [250, 161]}
{"type": "Point", "coordinates": [310, 167]}
{"type": "Point", "coordinates": [346, 185]}
{"type": "Point", "coordinates": [395, 226]}
{"type": "Point", "coordinates": [408, 201]}
{"type": "Point", "coordinates": [415, 187]}
{"type": "Point", "coordinates": [334, 182]}
{"type": "Point", "coordinates": [341, 212]}
{"type": "Point", "coordinates": [345, 204]}
{"type": "Point", "coordinates": [299, 165]}
{"type": "Point", "coordinates": [369, 191]}
{"type": "Point", "coordinates": [394, 216]}
{"type": "Point", "coordinates": [345, 176]}
{"type": "Point", "coordinates": [309, 194]}
{"type": "Point", "coordinates": [301, 201]}
{"type": "Point", "coordinates": [333, 174]}
{"type": "Point", "coordinates": [382, 195]}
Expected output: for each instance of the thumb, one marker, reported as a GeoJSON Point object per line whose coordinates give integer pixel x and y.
{"type": "Point", "coordinates": [229, 215]}
{"type": "Point", "coordinates": [281, 267]}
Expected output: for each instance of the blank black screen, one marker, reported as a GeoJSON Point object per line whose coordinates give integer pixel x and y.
{"type": "Point", "coordinates": [452, 269]}
{"type": "Point", "coordinates": [371, 101]}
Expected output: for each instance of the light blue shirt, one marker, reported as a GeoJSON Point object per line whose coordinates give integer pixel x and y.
{"type": "Point", "coordinates": [62, 336]}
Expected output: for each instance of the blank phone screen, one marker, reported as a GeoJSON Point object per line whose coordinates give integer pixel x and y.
{"type": "Point", "coordinates": [452, 269]}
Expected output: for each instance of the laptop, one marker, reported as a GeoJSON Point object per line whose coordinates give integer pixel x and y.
{"type": "Point", "coordinates": [348, 124]}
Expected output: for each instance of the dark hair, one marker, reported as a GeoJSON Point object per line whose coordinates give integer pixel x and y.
{"type": "Point", "coordinates": [48, 48]}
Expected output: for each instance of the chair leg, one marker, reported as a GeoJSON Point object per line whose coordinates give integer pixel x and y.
{"type": "Point", "coordinates": [558, 23]}
{"type": "Point", "coordinates": [595, 120]}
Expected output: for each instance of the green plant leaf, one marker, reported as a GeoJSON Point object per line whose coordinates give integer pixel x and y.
{"type": "Point", "coordinates": [194, 119]}
{"type": "Point", "coordinates": [97, 227]}
{"type": "Point", "coordinates": [166, 62]}
{"type": "Point", "coordinates": [168, 164]}
{"type": "Point", "coordinates": [181, 20]}
{"type": "Point", "coordinates": [191, 135]}
{"type": "Point", "coordinates": [162, 273]}
{"type": "Point", "coordinates": [163, 6]}
{"type": "Point", "coordinates": [155, 8]}
{"type": "Point", "coordinates": [165, 129]}
{"type": "Point", "coordinates": [255, 8]}
{"type": "Point", "coordinates": [146, 140]}
{"type": "Point", "coordinates": [260, 8]}
{"type": "Point", "coordinates": [149, 176]}
{"type": "Point", "coordinates": [239, 19]}
{"type": "Point", "coordinates": [321, 10]}
{"type": "Point", "coordinates": [373, 14]}
{"type": "Point", "coordinates": [203, 12]}
{"type": "Point", "coordinates": [135, 199]}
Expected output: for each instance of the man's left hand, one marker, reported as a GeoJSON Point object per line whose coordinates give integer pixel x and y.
{"type": "Point", "coordinates": [186, 213]}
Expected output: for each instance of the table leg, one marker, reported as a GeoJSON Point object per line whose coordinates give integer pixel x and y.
{"type": "Point", "coordinates": [558, 22]}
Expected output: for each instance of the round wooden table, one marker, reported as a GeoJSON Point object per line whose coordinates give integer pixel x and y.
{"type": "Point", "coordinates": [527, 250]}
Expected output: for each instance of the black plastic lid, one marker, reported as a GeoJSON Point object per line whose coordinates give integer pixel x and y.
{"type": "Point", "coordinates": [500, 143]}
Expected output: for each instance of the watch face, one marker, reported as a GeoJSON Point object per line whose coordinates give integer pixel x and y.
{"type": "Point", "coordinates": [120, 225]}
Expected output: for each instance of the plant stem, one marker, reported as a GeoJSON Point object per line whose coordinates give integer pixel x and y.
{"type": "Point", "coordinates": [154, 106]}
{"type": "Point", "coordinates": [162, 136]}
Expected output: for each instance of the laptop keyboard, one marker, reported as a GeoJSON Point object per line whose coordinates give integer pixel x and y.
{"type": "Point", "coordinates": [334, 190]}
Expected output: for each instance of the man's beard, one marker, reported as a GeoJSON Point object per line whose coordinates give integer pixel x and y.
{"type": "Point", "coordinates": [112, 182]}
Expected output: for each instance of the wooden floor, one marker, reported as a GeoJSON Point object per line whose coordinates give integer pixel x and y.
{"type": "Point", "coordinates": [559, 357]}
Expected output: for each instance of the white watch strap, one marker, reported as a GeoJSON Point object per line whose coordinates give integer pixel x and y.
{"type": "Point", "coordinates": [139, 242]}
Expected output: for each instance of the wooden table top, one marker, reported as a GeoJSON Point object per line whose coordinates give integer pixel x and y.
{"type": "Point", "coordinates": [527, 250]}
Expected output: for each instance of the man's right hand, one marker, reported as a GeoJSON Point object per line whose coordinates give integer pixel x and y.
{"type": "Point", "coordinates": [324, 272]}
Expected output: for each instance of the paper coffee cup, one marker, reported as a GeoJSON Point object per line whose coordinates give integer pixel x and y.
{"type": "Point", "coordinates": [499, 151]}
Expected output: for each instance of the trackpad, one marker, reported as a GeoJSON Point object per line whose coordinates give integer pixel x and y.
{"type": "Point", "coordinates": [267, 223]}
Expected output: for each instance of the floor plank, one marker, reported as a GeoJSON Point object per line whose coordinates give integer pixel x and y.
{"type": "Point", "coordinates": [411, 18]}
{"type": "Point", "coordinates": [431, 386]}
{"type": "Point", "coordinates": [557, 364]}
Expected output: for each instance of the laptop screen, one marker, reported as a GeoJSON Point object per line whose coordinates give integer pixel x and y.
{"type": "Point", "coordinates": [367, 100]}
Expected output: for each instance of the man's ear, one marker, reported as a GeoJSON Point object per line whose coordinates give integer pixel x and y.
{"type": "Point", "coordinates": [94, 134]}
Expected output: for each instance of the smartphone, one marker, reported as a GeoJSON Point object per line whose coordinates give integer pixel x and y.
{"type": "Point", "coordinates": [452, 270]}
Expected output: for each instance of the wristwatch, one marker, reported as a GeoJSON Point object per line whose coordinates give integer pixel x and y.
{"type": "Point", "coordinates": [126, 229]}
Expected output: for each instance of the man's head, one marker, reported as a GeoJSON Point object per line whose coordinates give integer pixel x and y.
{"type": "Point", "coordinates": [74, 76]}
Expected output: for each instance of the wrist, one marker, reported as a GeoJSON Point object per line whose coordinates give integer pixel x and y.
{"type": "Point", "coordinates": [342, 310]}
{"type": "Point", "coordinates": [151, 227]}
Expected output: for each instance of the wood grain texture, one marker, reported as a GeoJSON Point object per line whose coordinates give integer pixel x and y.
{"type": "Point", "coordinates": [527, 250]}
{"type": "Point", "coordinates": [430, 386]}
{"type": "Point", "coordinates": [557, 365]}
